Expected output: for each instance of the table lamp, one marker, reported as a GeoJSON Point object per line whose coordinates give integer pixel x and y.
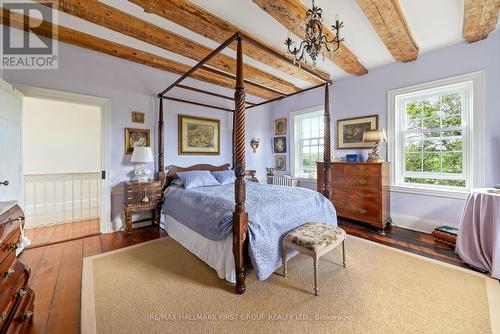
{"type": "Point", "coordinates": [374, 136]}
{"type": "Point", "coordinates": [140, 157]}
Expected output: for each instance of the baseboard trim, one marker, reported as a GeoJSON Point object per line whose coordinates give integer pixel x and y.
{"type": "Point", "coordinates": [416, 223]}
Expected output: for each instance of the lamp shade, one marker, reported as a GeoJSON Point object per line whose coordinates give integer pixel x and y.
{"type": "Point", "coordinates": [374, 135]}
{"type": "Point", "coordinates": [142, 154]}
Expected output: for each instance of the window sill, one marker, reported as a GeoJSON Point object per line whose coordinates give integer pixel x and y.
{"type": "Point", "coordinates": [457, 194]}
{"type": "Point", "coordinates": [306, 179]}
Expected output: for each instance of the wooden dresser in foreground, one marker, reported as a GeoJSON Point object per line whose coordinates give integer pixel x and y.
{"type": "Point", "coordinates": [360, 191]}
{"type": "Point", "coordinates": [142, 197]}
{"type": "Point", "coordinates": [16, 298]}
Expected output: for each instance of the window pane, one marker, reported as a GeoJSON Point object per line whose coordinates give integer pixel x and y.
{"type": "Point", "coordinates": [414, 109]}
{"type": "Point", "coordinates": [452, 133]}
{"type": "Point", "coordinates": [436, 134]}
{"type": "Point", "coordinates": [433, 145]}
{"type": "Point", "coordinates": [452, 162]}
{"type": "Point", "coordinates": [306, 128]}
{"type": "Point", "coordinates": [452, 145]}
{"type": "Point", "coordinates": [432, 162]}
{"type": "Point", "coordinates": [414, 124]}
{"type": "Point", "coordinates": [413, 146]}
{"type": "Point", "coordinates": [414, 162]}
{"type": "Point", "coordinates": [451, 104]}
{"type": "Point", "coordinates": [432, 123]}
{"type": "Point", "coordinates": [453, 183]}
{"type": "Point", "coordinates": [452, 120]}
{"type": "Point", "coordinates": [431, 108]}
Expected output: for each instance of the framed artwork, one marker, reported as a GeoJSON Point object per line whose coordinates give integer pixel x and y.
{"type": "Point", "coordinates": [280, 127]}
{"type": "Point", "coordinates": [198, 135]}
{"type": "Point", "coordinates": [279, 144]}
{"type": "Point", "coordinates": [138, 117]}
{"type": "Point", "coordinates": [350, 131]}
{"type": "Point", "coordinates": [136, 137]}
{"type": "Point", "coordinates": [280, 162]}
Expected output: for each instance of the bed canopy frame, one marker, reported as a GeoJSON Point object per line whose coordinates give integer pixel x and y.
{"type": "Point", "coordinates": [240, 216]}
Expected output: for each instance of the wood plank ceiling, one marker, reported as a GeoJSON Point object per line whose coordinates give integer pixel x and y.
{"type": "Point", "coordinates": [90, 42]}
{"type": "Point", "coordinates": [119, 21]}
{"type": "Point", "coordinates": [277, 77]}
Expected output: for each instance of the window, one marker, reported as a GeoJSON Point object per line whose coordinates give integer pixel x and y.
{"type": "Point", "coordinates": [308, 141]}
{"type": "Point", "coordinates": [434, 134]}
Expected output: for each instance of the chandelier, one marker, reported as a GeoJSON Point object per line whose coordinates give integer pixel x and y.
{"type": "Point", "coordinates": [314, 39]}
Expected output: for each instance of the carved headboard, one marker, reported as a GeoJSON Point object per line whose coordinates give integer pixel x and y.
{"type": "Point", "coordinates": [173, 170]}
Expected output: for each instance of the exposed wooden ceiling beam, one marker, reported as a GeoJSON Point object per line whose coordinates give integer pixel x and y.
{"type": "Point", "coordinates": [114, 19]}
{"type": "Point", "coordinates": [292, 14]}
{"type": "Point", "coordinates": [480, 18]}
{"type": "Point", "coordinates": [389, 22]}
{"type": "Point", "coordinates": [202, 22]}
{"type": "Point", "coordinates": [86, 41]}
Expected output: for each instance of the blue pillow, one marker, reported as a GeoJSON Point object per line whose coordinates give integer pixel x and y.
{"type": "Point", "coordinates": [224, 176]}
{"type": "Point", "coordinates": [197, 178]}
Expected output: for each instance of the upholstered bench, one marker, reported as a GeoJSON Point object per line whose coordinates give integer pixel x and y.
{"type": "Point", "coordinates": [314, 239]}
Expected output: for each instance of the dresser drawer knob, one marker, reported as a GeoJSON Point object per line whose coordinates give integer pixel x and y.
{"type": "Point", "coordinates": [362, 211]}
{"type": "Point", "coordinates": [361, 167]}
{"type": "Point", "coordinates": [25, 316]}
{"type": "Point", "coordinates": [21, 293]}
{"type": "Point", "coordinates": [362, 181]}
{"type": "Point", "coordinates": [4, 315]}
{"type": "Point", "coordinates": [7, 273]}
{"type": "Point", "coordinates": [360, 195]}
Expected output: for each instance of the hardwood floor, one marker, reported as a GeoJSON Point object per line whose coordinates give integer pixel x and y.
{"type": "Point", "coordinates": [57, 268]}
{"type": "Point", "coordinates": [45, 235]}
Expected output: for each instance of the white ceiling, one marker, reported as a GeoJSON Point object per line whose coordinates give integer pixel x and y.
{"type": "Point", "coordinates": [434, 24]}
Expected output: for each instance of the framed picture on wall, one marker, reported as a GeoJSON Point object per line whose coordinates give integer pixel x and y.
{"type": "Point", "coordinates": [280, 127]}
{"type": "Point", "coordinates": [350, 131]}
{"type": "Point", "coordinates": [280, 162]}
{"type": "Point", "coordinates": [138, 117]}
{"type": "Point", "coordinates": [198, 135]}
{"type": "Point", "coordinates": [279, 144]}
{"type": "Point", "coordinates": [136, 137]}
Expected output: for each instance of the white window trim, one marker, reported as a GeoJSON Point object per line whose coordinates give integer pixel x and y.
{"type": "Point", "coordinates": [295, 141]}
{"type": "Point", "coordinates": [475, 136]}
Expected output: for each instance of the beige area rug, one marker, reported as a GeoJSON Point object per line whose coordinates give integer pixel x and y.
{"type": "Point", "coordinates": [159, 287]}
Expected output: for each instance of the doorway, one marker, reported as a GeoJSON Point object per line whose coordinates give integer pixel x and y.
{"type": "Point", "coordinates": [65, 140]}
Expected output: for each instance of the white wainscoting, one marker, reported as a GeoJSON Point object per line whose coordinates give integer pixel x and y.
{"type": "Point", "coordinates": [59, 198]}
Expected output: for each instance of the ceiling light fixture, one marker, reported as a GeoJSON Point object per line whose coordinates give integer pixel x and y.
{"type": "Point", "coordinates": [314, 39]}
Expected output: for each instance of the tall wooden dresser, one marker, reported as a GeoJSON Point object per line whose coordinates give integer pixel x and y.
{"type": "Point", "coordinates": [16, 298]}
{"type": "Point", "coordinates": [360, 191]}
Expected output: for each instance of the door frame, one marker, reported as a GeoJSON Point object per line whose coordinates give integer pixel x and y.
{"type": "Point", "coordinates": [105, 138]}
{"type": "Point", "coordinates": [9, 88]}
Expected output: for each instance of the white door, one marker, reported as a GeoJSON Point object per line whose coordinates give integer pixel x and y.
{"type": "Point", "coordinates": [11, 171]}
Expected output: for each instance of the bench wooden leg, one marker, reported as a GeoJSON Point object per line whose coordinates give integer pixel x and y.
{"type": "Point", "coordinates": [343, 253]}
{"type": "Point", "coordinates": [284, 253]}
{"type": "Point", "coordinates": [315, 275]}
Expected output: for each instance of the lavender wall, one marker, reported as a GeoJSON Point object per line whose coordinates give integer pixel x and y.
{"type": "Point", "coordinates": [133, 87]}
{"type": "Point", "coordinates": [357, 96]}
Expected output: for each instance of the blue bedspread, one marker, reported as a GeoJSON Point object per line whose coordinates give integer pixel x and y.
{"type": "Point", "coordinates": [273, 211]}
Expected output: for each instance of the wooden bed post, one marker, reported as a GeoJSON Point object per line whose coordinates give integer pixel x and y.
{"type": "Point", "coordinates": [161, 160]}
{"type": "Point", "coordinates": [327, 151]}
{"type": "Point", "coordinates": [240, 217]}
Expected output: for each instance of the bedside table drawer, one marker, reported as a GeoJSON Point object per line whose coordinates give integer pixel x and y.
{"type": "Point", "coordinates": [135, 192]}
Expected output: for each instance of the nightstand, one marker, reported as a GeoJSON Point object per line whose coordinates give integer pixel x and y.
{"type": "Point", "coordinates": [142, 197]}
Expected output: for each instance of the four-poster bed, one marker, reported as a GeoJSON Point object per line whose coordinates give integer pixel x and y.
{"type": "Point", "coordinates": [240, 215]}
